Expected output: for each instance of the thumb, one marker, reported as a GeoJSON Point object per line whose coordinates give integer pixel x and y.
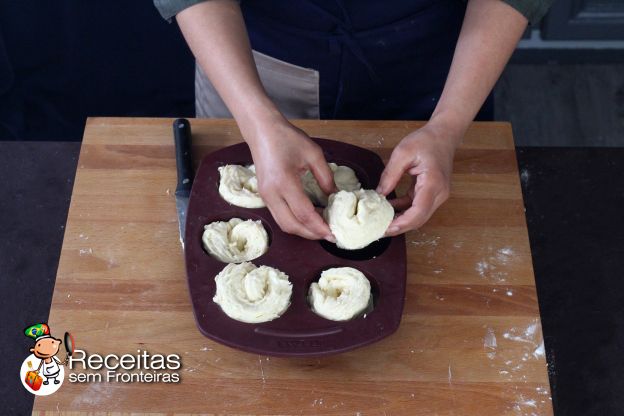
{"type": "Point", "coordinates": [392, 173]}
{"type": "Point", "coordinates": [323, 174]}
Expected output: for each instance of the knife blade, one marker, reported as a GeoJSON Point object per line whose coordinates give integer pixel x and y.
{"type": "Point", "coordinates": [184, 166]}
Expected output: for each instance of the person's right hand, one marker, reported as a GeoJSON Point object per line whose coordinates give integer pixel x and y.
{"type": "Point", "coordinates": [282, 153]}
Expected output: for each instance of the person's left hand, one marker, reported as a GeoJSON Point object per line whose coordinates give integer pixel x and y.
{"type": "Point", "coordinates": [427, 155]}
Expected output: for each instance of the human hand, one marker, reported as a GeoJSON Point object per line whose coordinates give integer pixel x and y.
{"type": "Point", "coordinates": [427, 155]}
{"type": "Point", "coordinates": [282, 153]}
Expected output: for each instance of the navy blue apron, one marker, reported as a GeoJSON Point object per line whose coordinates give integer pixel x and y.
{"type": "Point", "coordinates": [376, 59]}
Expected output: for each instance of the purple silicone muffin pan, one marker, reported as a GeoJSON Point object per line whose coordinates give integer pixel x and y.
{"type": "Point", "coordinates": [299, 331]}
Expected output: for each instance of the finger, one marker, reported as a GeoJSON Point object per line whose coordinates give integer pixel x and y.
{"type": "Point", "coordinates": [285, 219]}
{"type": "Point", "coordinates": [391, 175]}
{"type": "Point", "coordinates": [421, 210]}
{"type": "Point", "coordinates": [304, 212]}
{"type": "Point", "coordinates": [323, 174]}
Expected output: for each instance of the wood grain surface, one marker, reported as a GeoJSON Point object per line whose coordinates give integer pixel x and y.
{"type": "Point", "coordinates": [470, 342]}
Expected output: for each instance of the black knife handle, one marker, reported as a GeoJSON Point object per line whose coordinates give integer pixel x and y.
{"type": "Point", "coordinates": [184, 160]}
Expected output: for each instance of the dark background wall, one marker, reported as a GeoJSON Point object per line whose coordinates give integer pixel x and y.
{"type": "Point", "coordinates": [64, 60]}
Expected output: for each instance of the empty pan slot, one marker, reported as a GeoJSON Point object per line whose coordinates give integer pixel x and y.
{"type": "Point", "coordinates": [373, 250]}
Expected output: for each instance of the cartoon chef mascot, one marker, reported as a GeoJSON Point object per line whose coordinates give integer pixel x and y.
{"type": "Point", "coordinates": [45, 348]}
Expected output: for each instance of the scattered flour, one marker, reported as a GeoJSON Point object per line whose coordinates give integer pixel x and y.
{"type": "Point", "coordinates": [531, 347]}
{"type": "Point", "coordinates": [530, 331]}
{"type": "Point", "coordinates": [489, 343]}
{"type": "Point", "coordinates": [431, 241]}
{"type": "Point", "coordinates": [96, 394]}
{"type": "Point", "coordinates": [450, 374]}
{"type": "Point", "coordinates": [539, 351]}
{"type": "Point", "coordinates": [526, 402]}
{"type": "Point", "coordinates": [490, 266]}
{"type": "Point", "coordinates": [317, 402]}
{"type": "Point", "coordinates": [262, 371]}
{"type": "Point", "coordinates": [517, 338]}
{"type": "Point", "coordinates": [525, 176]}
{"type": "Point", "coordinates": [505, 252]}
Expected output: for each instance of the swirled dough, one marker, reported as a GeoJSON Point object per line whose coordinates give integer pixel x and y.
{"type": "Point", "coordinates": [358, 218]}
{"type": "Point", "coordinates": [236, 240]}
{"type": "Point", "coordinates": [344, 178]}
{"type": "Point", "coordinates": [340, 294]}
{"type": "Point", "coordinates": [239, 186]}
{"type": "Point", "coordinates": [252, 294]}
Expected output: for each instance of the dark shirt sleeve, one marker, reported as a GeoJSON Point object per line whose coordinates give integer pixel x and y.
{"type": "Point", "coordinates": [533, 10]}
{"type": "Point", "coordinates": [169, 8]}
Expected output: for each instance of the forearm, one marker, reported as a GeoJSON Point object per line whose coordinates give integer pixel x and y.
{"type": "Point", "coordinates": [215, 32]}
{"type": "Point", "coordinates": [489, 35]}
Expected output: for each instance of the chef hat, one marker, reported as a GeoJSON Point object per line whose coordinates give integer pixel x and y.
{"type": "Point", "coordinates": [38, 332]}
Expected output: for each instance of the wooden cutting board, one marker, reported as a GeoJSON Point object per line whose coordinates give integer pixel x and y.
{"type": "Point", "coordinates": [470, 342]}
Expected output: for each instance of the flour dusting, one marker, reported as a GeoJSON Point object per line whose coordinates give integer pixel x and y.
{"type": "Point", "coordinates": [96, 394]}
{"type": "Point", "coordinates": [262, 371]}
{"type": "Point", "coordinates": [504, 253]}
{"type": "Point", "coordinates": [489, 343]}
{"type": "Point", "coordinates": [430, 241]}
{"type": "Point", "coordinates": [539, 351]}
{"type": "Point", "coordinates": [525, 176]}
{"type": "Point", "coordinates": [450, 374]}
{"type": "Point", "coordinates": [492, 265]}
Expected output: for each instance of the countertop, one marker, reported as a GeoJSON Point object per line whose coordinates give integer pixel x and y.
{"type": "Point", "coordinates": [531, 173]}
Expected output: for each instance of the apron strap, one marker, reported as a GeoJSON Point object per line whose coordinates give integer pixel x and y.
{"type": "Point", "coordinates": [344, 34]}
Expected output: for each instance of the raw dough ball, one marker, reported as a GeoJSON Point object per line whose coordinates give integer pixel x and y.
{"type": "Point", "coordinates": [239, 186]}
{"type": "Point", "coordinates": [235, 241]}
{"type": "Point", "coordinates": [340, 294]}
{"type": "Point", "coordinates": [252, 294]}
{"type": "Point", "coordinates": [344, 177]}
{"type": "Point", "coordinates": [358, 218]}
